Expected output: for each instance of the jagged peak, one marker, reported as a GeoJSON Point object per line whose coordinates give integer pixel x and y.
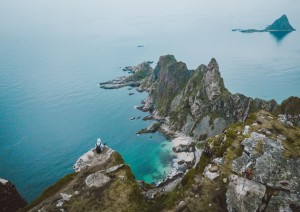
{"type": "Point", "coordinates": [166, 60]}
{"type": "Point", "coordinates": [213, 64]}
{"type": "Point", "coordinates": [280, 24]}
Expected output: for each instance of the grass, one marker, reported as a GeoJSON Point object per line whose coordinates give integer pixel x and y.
{"type": "Point", "coordinates": [50, 191]}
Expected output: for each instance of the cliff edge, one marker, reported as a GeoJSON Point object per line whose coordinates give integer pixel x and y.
{"type": "Point", "coordinates": [10, 198]}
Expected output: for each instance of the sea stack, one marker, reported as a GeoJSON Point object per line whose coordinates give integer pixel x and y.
{"type": "Point", "coordinates": [281, 24]}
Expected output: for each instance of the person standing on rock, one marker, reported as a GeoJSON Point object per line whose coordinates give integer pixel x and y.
{"type": "Point", "coordinates": [99, 146]}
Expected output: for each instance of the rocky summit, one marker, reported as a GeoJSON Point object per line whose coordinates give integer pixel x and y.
{"type": "Point", "coordinates": [233, 153]}
{"type": "Point", "coordinates": [195, 102]}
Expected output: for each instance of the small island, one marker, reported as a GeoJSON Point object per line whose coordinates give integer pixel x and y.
{"type": "Point", "coordinates": [280, 25]}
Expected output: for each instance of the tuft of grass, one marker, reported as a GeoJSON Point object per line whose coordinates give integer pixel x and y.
{"type": "Point", "coordinates": [251, 119]}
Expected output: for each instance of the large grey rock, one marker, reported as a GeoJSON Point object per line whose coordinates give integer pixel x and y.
{"type": "Point", "coordinates": [114, 168]}
{"type": "Point", "coordinates": [284, 201]}
{"type": "Point", "coordinates": [244, 194]}
{"type": "Point", "coordinates": [271, 168]}
{"type": "Point", "coordinates": [212, 80]}
{"type": "Point", "coordinates": [97, 179]}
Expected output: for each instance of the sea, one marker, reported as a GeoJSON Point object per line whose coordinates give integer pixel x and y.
{"type": "Point", "coordinates": [54, 53]}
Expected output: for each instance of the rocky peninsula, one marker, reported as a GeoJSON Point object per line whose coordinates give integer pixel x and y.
{"type": "Point", "coordinates": [280, 25]}
{"type": "Point", "coordinates": [234, 153]}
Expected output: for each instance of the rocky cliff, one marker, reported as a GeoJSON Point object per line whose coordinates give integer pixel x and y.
{"type": "Point", "coordinates": [101, 182]}
{"type": "Point", "coordinates": [195, 102]}
{"type": "Point", "coordinates": [10, 199]}
{"type": "Point", "coordinates": [251, 166]}
{"type": "Point", "coordinates": [248, 150]}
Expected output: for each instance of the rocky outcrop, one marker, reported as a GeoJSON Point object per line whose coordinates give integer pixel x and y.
{"type": "Point", "coordinates": [102, 182]}
{"type": "Point", "coordinates": [280, 25]}
{"type": "Point", "coordinates": [139, 73]}
{"type": "Point", "coordinates": [290, 111]}
{"type": "Point", "coordinates": [10, 198]}
{"type": "Point", "coordinates": [259, 160]}
{"type": "Point", "coordinates": [150, 129]}
{"type": "Point", "coordinates": [195, 102]}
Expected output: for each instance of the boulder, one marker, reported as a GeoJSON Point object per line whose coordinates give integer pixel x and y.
{"type": "Point", "coordinates": [97, 179]}
{"type": "Point", "coordinates": [244, 194]}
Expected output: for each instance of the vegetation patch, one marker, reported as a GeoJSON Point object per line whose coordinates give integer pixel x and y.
{"type": "Point", "coordinates": [52, 190]}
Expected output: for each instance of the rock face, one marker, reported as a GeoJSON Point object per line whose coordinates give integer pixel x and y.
{"type": "Point", "coordinates": [10, 199]}
{"type": "Point", "coordinates": [280, 25]}
{"type": "Point", "coordinates": [290, 110]}
{"type": "Point", "coordinates": [244, 194]}
{"type": "Point", "coordinates": [195, 102]}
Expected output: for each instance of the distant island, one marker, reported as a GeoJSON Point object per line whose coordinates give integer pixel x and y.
{"type": "Point", "coordinates": [280, 25]}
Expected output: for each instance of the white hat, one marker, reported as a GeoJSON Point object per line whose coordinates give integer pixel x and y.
{"type": "Point", "coordinates": [98, 141]}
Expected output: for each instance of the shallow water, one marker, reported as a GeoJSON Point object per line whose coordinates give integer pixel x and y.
{"type": "Point", "coordinates": [53, 54]}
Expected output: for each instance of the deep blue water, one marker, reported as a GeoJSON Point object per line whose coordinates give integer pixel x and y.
{"type": "Point", "coordinates": [53, 54]}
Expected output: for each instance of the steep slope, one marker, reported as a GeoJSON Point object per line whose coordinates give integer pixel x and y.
{"type": "Point", "coordinates": [101, 182]}
{"type": "Point", "coordinates": [196, 102]}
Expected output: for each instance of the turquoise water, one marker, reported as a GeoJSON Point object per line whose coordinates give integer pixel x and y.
{"type": "Point", "coordinates": [53, 54]}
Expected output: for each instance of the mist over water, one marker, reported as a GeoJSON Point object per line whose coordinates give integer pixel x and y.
{"type": "Point", "coordinates": [53, 54]}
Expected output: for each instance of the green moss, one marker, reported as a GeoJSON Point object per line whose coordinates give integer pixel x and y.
{"type": "Point", "coordinates": [259, 147]}
{"type": "Point", "coordinates": [50, 191]}
{"type": "Point", "coordinates": [117, 159]}
{"type": "Point", "coordinates": [231, 134]}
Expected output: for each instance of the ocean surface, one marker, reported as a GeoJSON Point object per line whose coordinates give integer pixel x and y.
{"type": "Point", "coordinates": [53, 53]}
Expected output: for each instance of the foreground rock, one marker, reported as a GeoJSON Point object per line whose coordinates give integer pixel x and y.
{"type": "Point", "coordinates": [252, 166]}
{"type": "Point", "coordinates": [249, 160]}
{"type": "Point", "coordinates": [102, 182]}
{"type": "Point", "coordinates": [244, 194]}
{"type": "Point", "coordinates": [280, 25]}
{"type": "Point", "coordinates": [10, 199]}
